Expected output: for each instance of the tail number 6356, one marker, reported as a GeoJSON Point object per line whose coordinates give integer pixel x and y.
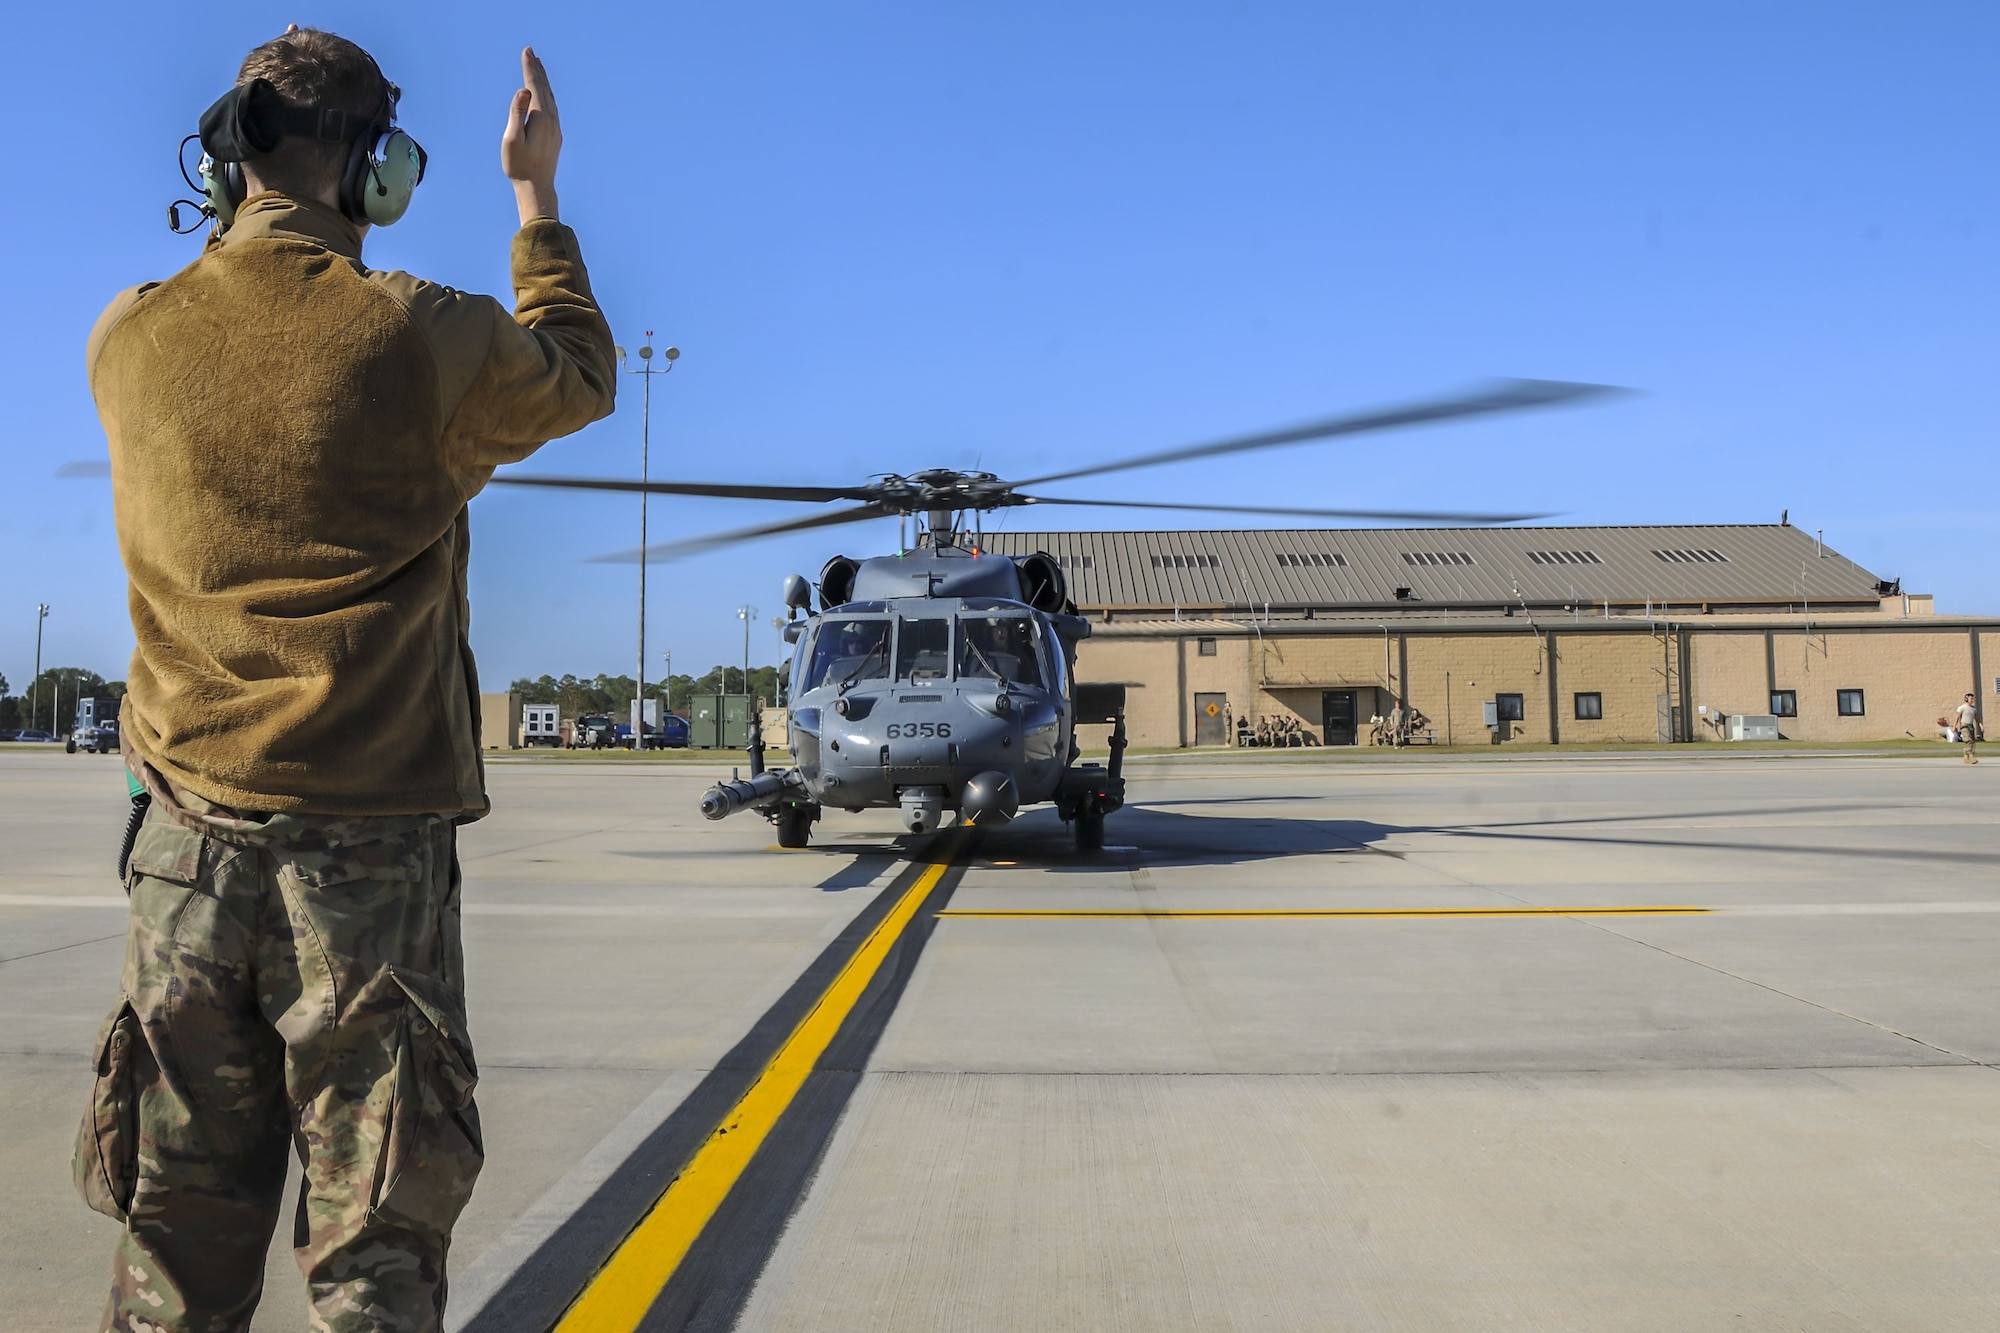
{"type": "Point", "coordinates": [909, 731]}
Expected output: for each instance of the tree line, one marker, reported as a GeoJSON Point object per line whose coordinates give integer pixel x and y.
{"type": "Point", "coordinates": [49, 702]}
{"type": "Point", "coordinates": [579, 696]}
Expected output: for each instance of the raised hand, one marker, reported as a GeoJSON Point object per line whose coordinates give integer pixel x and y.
{"type": "Point", "coordinates": [532, 142]}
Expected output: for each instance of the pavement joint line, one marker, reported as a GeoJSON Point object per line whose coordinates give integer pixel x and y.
{"type": "Point", "coordinates": [620, 1294]}
{"type": "Point", "coordinates": [1649, 1070]}
{"type": "Point", "coordinates": [1770, 848]}
{"type": "Point", "coordinates": [1314, 913]}
{"type": "Point", "coordinates": [561, 837]}
{"type": "Point", "coordinates": [1502, 1071]}
{"type": "Point", "coordinates": [75, 944]}
{"type": "Point", "coordinates": [9, 901]}
{"type": "Point", "coordinates": [1779, 990]}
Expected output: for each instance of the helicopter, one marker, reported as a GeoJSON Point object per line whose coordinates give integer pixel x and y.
{"type": "Point", "coordinates": [941, 680]}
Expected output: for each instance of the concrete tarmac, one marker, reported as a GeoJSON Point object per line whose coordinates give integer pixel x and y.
{"type": "Point", "coordinates": [1777, 1113]}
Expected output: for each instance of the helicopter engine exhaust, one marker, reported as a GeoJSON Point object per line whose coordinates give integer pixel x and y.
{"type": "Point", "coordinates": [726, 798]}
{"type": "Point", "coordinates": [990, 799]}
{"type": "Point", "coordinates": [836, 581]}
{"type": "Point", "coordinates": [1042, 583]}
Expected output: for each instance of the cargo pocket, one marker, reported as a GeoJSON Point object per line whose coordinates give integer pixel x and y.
{"type": "Point", "coordinates": [164, 850]}
{"type": "Point", "coordinates": [107, 1144]}
{"type": "Point", "coordinates": [431, 1152]}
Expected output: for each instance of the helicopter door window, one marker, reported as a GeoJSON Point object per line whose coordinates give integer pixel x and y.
{"type": "Point", "coordinates": [923, 649]}
{"type": "Point", "coordinates": [849, 651]}
{"type": "Point", "coordinates": [999, 648]}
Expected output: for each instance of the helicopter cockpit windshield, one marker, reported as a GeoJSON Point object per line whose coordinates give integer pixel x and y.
{"type": "Point", "coordinates": [923, 648]}
{"type": "Point", "coordinates": [1001, 648]}
{"type": "Point", "coordinates": [846, 651]}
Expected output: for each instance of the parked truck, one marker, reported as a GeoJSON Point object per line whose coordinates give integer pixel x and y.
{"type": "Point", "coordinates": [96, 728]}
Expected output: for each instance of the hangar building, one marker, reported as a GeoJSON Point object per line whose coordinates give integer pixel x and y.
{"type": "Point", "coordinates": [1574, 634]}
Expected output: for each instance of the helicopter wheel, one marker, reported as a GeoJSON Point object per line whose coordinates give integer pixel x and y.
{"type": "Point", "coordinates": [1089, 830]}
{"type": "Point", "coordinates": [794, 826]}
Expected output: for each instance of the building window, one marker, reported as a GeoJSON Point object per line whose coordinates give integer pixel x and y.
{"type": "Point", "coordinates": [1437, 558]}
{"type": "Point", "coordinates": [1564, 557]}
{"type": "Point", "coordinates": [1205, 647]}
{"type": "Point", "coordinates": [1589, 707]}
{"type": "Point", "coordinates": [1697, 556]}
{"type": "Point", "coordinates": [1076, 561]}
{"type": "Point", "coordinates": [1851, 704]}
{"type": "Point", "coordinates": [1312, 560]}
{"type": "Point", "coordinates": [1507, 707]}
{"type": "Point", "coordinates": [1187, 562]}
{"type": "Point", "coordinates": [1784, 703]}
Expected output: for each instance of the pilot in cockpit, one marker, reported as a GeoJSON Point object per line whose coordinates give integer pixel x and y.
{"type": "Point", "coordinates": [850, 650]}
{"type": "Point", "coordinates": [999, 647]}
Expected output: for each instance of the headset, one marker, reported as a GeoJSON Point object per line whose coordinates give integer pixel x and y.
{"type": "Point", "coordinates": [384, 164]}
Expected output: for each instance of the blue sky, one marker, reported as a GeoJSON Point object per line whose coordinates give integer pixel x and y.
{"type": "Point", "coordinates": [892, 236]}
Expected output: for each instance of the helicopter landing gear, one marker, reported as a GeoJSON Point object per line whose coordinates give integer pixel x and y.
{"type": "Point", "coordinates": [1088, 830]}
{"type": "Point", "coordinates": [1089, 792]}
{"type": "Point", "coordinates": [795, 821]}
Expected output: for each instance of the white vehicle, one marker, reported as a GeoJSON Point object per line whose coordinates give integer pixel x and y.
{"type": "Point", "coordinates": [96, 727]}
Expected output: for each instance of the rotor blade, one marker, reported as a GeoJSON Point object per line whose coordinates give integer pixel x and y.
{"type": "Point", "coordinates": [1501, 396]}
{"type": "Point", "coordinates": [719, 490]}
{"type": "Point", "coordinates": [696, 545]}
{"type": "Point", "coordinates": [85, 467]}
{"type": "Point", "coordinates": [1399, 515]}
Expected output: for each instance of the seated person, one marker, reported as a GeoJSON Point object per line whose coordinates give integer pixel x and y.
{"type": "Point", "coordinates": [850, 650]}
{"type": "Point", "coordinates": [999, 648]}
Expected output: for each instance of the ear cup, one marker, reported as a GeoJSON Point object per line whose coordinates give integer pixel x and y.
{"type": "Point", "coordinates": [222, 184]}
{"type": "Point", "coordinates": [382, 174]}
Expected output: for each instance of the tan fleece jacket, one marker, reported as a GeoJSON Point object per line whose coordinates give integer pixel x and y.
{"type": "Point", "coordinates": [294, 437]}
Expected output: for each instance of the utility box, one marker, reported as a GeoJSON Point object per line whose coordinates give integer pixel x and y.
{"type": "Point", "coordinates": [541, 724]}
{"type": "Point", "coordinates": [1753, 727]}
{"type": "Point", "coordinates": [719, 721]}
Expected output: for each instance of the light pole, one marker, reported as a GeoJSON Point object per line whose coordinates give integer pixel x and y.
{"type": "Point", "coordinates": [667, 658]}
{"type": "Point", "coordinates": [778, 623]}
{"type": "Point", "coordinates": [35, 685]}
{"type": "Point", "coordinates": [746, 613]}
{"type": "Point", "coordinates": [645, 368]}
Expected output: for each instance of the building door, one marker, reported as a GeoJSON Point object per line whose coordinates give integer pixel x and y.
{"type": "Point", "coordinates": [1211, 719]}
{"type": "Point", "coordinates": [1336, 717]}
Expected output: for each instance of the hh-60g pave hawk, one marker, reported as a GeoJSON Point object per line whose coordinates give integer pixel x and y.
{"type": "Point", "coordinates": [943, 677]}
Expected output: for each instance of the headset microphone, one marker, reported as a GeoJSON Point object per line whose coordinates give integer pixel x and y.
{"type": "Point", "coordinates": [384, 164]}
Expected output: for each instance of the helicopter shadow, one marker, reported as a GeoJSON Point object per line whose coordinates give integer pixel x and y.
{"type": "Point", "coordinates": [866, 867]}
{"type": "Point", "coordinates": [1146, 835]}
{"type": "Point", "coordinates": [1141, 835]}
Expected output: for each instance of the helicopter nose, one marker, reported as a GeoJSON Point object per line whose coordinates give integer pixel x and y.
{"type": "Point", "coordinates": [990, 799]}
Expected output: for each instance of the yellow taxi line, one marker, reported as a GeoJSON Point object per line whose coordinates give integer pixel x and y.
{"type": "Point", "coordinates": [631, 1280]}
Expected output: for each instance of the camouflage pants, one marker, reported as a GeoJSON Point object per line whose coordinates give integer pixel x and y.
{"type": "Point", "coordinates": [298, 987]}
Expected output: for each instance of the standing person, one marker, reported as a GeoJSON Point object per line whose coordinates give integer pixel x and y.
{"type": "Point", "coordinates": [294, 437]}
{"type": "Point", "coordinates": [1396, 737]}
{"type": "Point", "coordinates": [1967, 714]}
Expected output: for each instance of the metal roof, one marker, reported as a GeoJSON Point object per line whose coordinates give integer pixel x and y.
{"type": "Point", "coordinates": [1762, 565]}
